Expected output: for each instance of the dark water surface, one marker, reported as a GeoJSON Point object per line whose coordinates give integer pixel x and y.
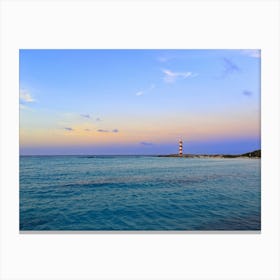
{"type": "Point", "coordinates": [139, 193]}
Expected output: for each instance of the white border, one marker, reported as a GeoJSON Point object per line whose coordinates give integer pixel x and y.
{"type": "Point", "coordinates": [140, 24]}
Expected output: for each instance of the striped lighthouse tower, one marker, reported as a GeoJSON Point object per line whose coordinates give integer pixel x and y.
{"type": "Point", "coordinates": [180, 147]}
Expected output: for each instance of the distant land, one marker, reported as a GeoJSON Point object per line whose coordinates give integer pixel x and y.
{"type": "Point", "coordinates": [254, 154]}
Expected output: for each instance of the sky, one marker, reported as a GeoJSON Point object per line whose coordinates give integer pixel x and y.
{"type": "Point", "coordinates": [118, 102]}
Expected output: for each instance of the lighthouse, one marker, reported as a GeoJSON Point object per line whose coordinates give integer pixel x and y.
{"type": "Point", "coordinates": [180, 147]}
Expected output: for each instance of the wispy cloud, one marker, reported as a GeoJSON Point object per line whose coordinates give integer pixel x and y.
{"type": "Point", "coordinates": [86, 129]}
{"type": "Point", "coordinates": [22, 107]}
{"type": "Point", "coordinates": [247, 92]}
{"type": "Point", "coordinates": [163, 58]}
{"type": "Point", "coordinates": [171, 77]}
{"type": "Point", "coordinates": [25, 96]}
{"type": "Point", "coordinates": [146, 143]}
{"type": "Point", "coordinates": [139, 93]}
{"type": "Point", "coordinates": [142, 92]}
{"type": "Point", "coordinates": [68, 128]}
{"type": "Point", "coordinates": [106, 130]}
{"type": "Point", "coordinates": [98, 119]}
{"type": "Point", "coordinates": [229, 67]}
{"type": "Point", "coordinates": [252, 53]}
{"type": "Point", "coordinates": [87, 116]}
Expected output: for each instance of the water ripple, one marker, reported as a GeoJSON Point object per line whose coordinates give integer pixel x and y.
{"type": "Point", "coordinates": [138, 193]}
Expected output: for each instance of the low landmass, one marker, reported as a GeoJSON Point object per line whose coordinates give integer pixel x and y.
{"type": "Point", "coordinates": [253, 154]}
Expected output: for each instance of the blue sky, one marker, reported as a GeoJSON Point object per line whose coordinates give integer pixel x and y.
{"type": "Point", "coordinates": [139, 101]}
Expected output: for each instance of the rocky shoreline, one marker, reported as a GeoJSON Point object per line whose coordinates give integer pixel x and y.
{"type": "Point", "coordinates": [254, 154]}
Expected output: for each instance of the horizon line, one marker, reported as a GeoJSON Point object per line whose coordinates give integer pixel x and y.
{"type": "Point", "coordinates": [205, 154]}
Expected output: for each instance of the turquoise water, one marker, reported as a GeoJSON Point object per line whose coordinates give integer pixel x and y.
{"type": "Point", "coordinates": [139, 193]}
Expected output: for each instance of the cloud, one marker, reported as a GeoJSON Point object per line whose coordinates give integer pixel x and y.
{"type": "Point", "coordinates": [68, 128]}
{"type": "Point", "coordinates": [98, 119]}
{"type": "Point", "coordinates": [106, 130]}
{"type": "Point", "coordinates": [162, 58]}
{"type": "Point", "coordinates": [146, 143]}
{"type": "Point", "coordinates": [86, 129]}
{"type": "Point", "coordinates": [229, 67]}
{"type": "Point", "coordinates": [171, 77]}
{"type": "Point", "coordinates": [25, 96]}
{"type": "Point", "coordinates": [252, 53]}
{"type": "Point", "coordinates": [87, 116]}
{"type": "Point", "coordinates": [142, 92]}
{"type": "Point", "coordinates": [247, 92]}
{"type": "Point", "coordinates": [23, 107]}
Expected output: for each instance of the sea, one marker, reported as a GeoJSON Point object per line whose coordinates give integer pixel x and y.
{"type": "Point", "coordinates": [139, 193]}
